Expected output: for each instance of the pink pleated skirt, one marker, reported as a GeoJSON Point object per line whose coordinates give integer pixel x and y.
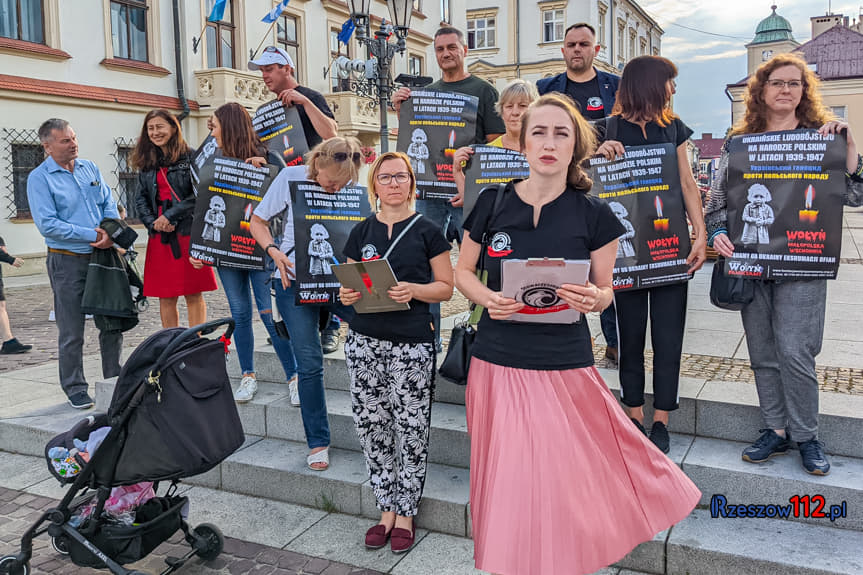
{"type": "Point", "coordinates": [561, 482]}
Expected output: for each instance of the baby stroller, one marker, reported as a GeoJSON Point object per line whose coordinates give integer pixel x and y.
{"type": "Point", "coordinates": [172, 415]}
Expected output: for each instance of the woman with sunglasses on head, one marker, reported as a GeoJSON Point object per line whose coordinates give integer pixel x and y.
{"type": "Point", "coordinates": [642, 116]}
{"type": "Point", "coordinates": [390, 355]}
{"type": "Point", "coordinates": [784, 323]}
{"type": "Point", "coordinates": [236, 138]}
{"type": "Point", "coordinates": [332, 164]}
{"type": "Point", "coordinates": [560, 480]}
{"type": "Point", "coordinates": [165, 203]}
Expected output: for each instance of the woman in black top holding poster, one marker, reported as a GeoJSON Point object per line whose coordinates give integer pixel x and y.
{"type": "Point", "coordinates": [561, 482]}
{"type": "Point", "coordinates": [390, 355]}
{"type": "Point", "coordinates": [784, 323]}
{"type": "Point", "coordinates": [643, 117]}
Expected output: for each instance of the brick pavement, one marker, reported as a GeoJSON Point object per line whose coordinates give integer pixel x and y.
{"type": "Point", "coordinates": [18, 510]}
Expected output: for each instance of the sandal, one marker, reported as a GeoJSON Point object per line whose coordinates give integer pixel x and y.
{"type": "Point", "coordinates": [322, 456]}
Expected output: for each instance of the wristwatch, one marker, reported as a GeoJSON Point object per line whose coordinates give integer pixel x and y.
{"type": "Point", "coordinates": [267, 249]}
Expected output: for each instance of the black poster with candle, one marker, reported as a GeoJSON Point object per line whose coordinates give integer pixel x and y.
{"type": "Point", "coordinates": [785, 193]}
{"type": "Point", "coordinates": [643, 190]}
{"type": "Point", "coordinates": [228, 191]}
{"type": "Point", "coordinates": [279, 128]}
{"type": "Point", "coordinates": [322, 224]}
{"type": "Point", "coordinates": [432, 126]}
{"type": "Point", "coordinates": [489, 166]}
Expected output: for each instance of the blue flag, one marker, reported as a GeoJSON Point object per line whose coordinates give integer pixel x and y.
{"type": "Point", "coordinates": [347, 31]}
{"type": "Point", "coordinates": [274, 14]}
{"type": "Point", "coordinates": [218, 11]}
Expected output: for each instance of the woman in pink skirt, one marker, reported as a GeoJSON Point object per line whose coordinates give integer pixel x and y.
{"type": "Point", "coordinates": [561, 481]}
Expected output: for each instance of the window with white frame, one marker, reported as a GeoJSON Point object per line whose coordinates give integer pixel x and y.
{"type": "Point", "coordinates": [480, 33]}
{"type": "Point", "coordinates": [600, 27]}
{"type": "Point", "coordinates": [337, 48]}
{"type": "Point", "coordinates": [445, 11]}
{"type": "Point", "coordinates": [22, 20]}
{"type": "Point", "coordinates": [415, 65]}
{"type": "Point", "coordinates": [220, 37]}
{"type": "Point", "coordinates": [286, 38]}
{"type": "Point", "coordinates": [631, 43]}
{"type": "Point", "coordinates": [129, 29]}
{"type": "Point", "coordinates": [418, 5]}
{"type": "Point", "coordinates": [841, 112]}
{"type": "Point", "coordinates": [552, 25]}
{"type": "Point", "coordinates": [643, 47]}
{"type": "Point", "coordinates": [620, 46]}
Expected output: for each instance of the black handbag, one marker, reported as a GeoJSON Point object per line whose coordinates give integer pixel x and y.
{"type": "Point", "coordinates": [728, 292]}
{"type": "Point", "coordinates": [456, 363]}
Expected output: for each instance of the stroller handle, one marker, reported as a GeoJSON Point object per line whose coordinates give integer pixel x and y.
{"type": "Point", "coordinates": [192, 332]}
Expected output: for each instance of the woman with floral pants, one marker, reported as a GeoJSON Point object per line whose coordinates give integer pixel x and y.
{"type": "Point", "coordinates": [390, 355]}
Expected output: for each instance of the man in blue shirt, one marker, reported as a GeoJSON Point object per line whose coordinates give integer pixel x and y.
{"type": "Point", "coordinates": [68, 199]}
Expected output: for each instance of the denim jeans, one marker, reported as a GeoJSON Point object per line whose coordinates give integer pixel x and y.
{"type": "Point", "coordinates": [236, 284]}
{"type": "Point", "coordinates": [449, 218]}
{"type": "Point", "coordinates": [302, 322]}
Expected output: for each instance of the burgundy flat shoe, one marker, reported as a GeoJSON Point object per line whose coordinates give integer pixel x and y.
{"type": "Point", "coordinates": [377, 536]}
{"type": "Point", "coordinates": [402, 540]}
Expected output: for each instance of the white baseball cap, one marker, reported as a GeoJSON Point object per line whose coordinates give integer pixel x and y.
{"type": "Point", "coordinates": [272, 55]}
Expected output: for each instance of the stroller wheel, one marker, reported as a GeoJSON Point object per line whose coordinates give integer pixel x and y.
{"type": "Point", "coordinates": [9, 565]}
{"type": "Point", "coordinates": [210, 541]}
{"type": "Point", "coordinates": [60, 544]}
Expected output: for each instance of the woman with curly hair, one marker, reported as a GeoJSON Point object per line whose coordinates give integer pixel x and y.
{"type": "Point", "coordinates": [165, 202]}
{"type": "Point", "coordinates": [783, 337]}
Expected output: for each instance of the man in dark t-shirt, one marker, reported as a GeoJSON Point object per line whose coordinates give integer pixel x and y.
{"type": "Point", "coordinates": [277, 69]}
{"type": "Point", "coordinates": [593, 90]}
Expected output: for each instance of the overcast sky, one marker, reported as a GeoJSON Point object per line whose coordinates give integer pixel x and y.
{"type": "Point", "coordinates": [708, 62]}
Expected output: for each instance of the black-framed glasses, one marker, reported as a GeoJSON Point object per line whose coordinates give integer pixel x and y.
{"type": "Point", "coordinates": [343, 156]}
{"type": "Point", "coordinates": [779, 84]}
{"type": "Point", "coordinates": [399, 177]}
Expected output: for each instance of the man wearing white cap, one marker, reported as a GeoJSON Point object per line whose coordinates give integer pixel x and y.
{"type": "Point", "coordinates": [277, 68]}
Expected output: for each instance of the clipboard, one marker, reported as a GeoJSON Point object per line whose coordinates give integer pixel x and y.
{"type": "Point", "coordinates": [372, 279]}
{"type": "Point", "coordinates": [535, 281]}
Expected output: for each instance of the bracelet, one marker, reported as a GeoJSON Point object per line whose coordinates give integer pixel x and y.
{"type": "Point", "coordinates": [267, 249]}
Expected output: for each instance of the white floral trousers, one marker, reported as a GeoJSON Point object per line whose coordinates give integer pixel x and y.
{"type": "Point", "coordinates": [391, 394]}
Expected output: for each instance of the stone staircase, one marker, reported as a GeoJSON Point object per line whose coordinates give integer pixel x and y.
{"type": "Point", "coordinates": [715, 422]}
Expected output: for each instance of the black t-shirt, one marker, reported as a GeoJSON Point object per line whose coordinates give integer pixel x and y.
{"type": "Point", "coordinates": [312, 136]}
{"type": "Point", "coordinates": [410, 261]}
{"type": "Point", "coordinates": [630, 134]}
{"type": "Point", "coordinates": [587, 97]}
{"type": "Point", "coordinates": [571, 226]}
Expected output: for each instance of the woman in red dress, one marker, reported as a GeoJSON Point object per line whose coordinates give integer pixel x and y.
{"type": "Point", "coordinates": [165, 203]}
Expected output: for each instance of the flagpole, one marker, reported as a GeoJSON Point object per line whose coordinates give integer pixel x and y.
{"type": "Point", "coordinates": [197, 42]}
{"type": "Point", "coordinates": [267, 33]}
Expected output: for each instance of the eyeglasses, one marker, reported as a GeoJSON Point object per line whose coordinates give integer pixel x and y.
{"type": "Point", "coordinates": [342, 156]}
{"type": "Point", "coordinates": [400, 178]}
{"type": "Point", "coordinates": [780, 84]}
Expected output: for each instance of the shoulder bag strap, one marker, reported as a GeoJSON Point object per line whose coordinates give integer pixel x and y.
{"type": "Point", "coordinates": [402, 234]}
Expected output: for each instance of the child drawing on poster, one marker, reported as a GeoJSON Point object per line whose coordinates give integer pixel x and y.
{"type": "Point", "coordinates": [214, 220]}
{"type": "Point", "coordinates": [625, 248]}
{"type": "Point", "coordinates": [757, 215]}
{"type": "Point", "coordinates": [418, 152]}
{"type": "Point", "coordinates": [321, 255]}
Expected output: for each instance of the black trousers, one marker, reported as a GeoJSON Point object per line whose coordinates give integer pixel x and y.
{"type": "Point", "coordinates": [666, 308]}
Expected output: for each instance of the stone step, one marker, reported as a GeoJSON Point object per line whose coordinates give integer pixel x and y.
{"type": "Point", "coordinates": [719, 409]}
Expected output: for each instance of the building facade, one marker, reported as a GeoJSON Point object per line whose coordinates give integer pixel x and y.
{"type": "Point", "coordinates": [523, 39]}
{"type": "Point", "coordinates": [835, 54]}
{"type": "Point", "coordinates": [102, 64]}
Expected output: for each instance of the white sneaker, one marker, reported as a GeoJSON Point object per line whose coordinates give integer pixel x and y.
{"type": "Point", "coordinates": [295, 391]}
{"type": "Point", "coordinates": [246, 391]}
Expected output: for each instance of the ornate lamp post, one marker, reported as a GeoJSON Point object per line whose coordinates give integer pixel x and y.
{"type": "Point", "coordinates": [375, 80]}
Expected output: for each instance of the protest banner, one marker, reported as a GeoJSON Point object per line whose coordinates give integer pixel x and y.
{"type": "Point", "coordinates": [490, 166]}
{"type": "Point", "coordinates": [322, 223]}
{"type": "Point", "coordinates": [228, 191]}
{"type": "Point", "coordinates": [643, 190]}
{"type": "Point", "coordinates": [279, 128]}
{"type": "Point", "coordinates": [207, 151]}
{"type": "Point", "coordinates": [432, 126]}
{"type": "Point", "coordinates": [785, 193]}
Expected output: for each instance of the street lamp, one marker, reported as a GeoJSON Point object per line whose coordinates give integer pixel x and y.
{"type": "Point", "coordinates": [375, 79]}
